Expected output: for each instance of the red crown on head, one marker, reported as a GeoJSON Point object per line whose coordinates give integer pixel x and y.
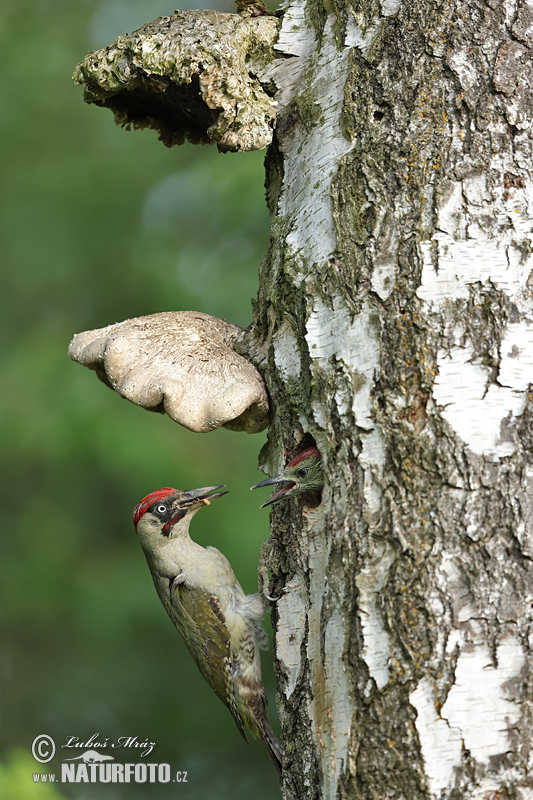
{"type": "Point", "coordinates": [311, 451]}
{"type": "Point", "coordinates": [142, 507]}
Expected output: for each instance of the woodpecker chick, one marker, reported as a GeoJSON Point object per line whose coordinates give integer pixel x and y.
{"type": "Point", "coordinates": [303, 473]}
{"type": "Point", "coordinates": [219, 623]}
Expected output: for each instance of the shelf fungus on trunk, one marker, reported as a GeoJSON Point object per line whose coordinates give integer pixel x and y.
{"type": "Point", "coordinates": [195, 75]}
{"type": "Point", "coordinates": [181, 362]}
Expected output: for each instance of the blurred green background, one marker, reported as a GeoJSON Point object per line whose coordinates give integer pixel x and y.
{"type": "Point", "coordinates": [99, 224]}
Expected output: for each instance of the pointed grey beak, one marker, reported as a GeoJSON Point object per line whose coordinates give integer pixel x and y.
{"type": "Point", "coordinates": [204, 495]}
{"type": "Point", "coordinates": [271, 482]}
{"type": "Point", "coordinates": [268, 482]}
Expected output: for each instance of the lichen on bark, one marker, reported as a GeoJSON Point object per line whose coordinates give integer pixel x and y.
{"type": "Point", "coordinates": [195, 75]}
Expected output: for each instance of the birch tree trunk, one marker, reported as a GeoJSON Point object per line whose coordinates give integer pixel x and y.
{"type": "Point", "coordinates": [394, 326]}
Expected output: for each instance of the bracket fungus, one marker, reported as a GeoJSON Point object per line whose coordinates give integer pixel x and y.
{"type": "Point", "coordinates": [195, 75]}
{"type": "Point", "coordinates": [181, 362]}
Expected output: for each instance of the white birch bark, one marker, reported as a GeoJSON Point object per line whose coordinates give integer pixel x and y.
{"type": "Point", "coordinates": [394, 326]}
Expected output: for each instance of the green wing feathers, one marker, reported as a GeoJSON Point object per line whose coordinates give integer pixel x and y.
{"type": "Point", "coordinates": [233, 674]}
{"type": "Point", "coordinates": [201, 622]}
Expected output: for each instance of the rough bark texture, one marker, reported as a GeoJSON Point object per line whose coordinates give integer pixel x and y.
{"type": "Point", "coordinates": [394, 327]}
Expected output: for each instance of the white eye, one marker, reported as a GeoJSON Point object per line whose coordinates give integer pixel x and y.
{"type": "Point", "coordinates": [302, 473]}
{"type": "Point", "coordinates": [161, 509]}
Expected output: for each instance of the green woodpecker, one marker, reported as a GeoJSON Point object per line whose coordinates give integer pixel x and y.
{"type": "Point", "coordinates": [219, 623]}
{"type": "Point", "coordinates": [302, 474]}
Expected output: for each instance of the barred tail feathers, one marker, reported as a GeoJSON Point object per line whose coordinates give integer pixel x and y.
{"type": "Point", "coordinates": [272, 746]}
{"type": "Point", "coordinates": [256, 720]}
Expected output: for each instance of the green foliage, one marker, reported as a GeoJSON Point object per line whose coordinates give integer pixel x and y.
{"type": "Point", "coordinates": [99, 224]}
{"type": "Point", "coordinates": [17, 782]}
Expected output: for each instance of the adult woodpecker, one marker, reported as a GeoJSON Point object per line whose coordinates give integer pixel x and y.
{"type": "Point", "coordinates": [219, 623]}
{"type": "Point", "coordinates": [303, 473]}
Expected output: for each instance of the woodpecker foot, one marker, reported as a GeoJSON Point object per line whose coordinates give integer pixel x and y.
{"type": "Point", "coordinates": [264, 547]}
{"type": "Point", "coordinates": [173, 584]}
{"type": "Point", "coordinates": [262, 569]}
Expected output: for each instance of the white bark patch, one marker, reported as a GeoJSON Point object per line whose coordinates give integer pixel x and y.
{"type": "Point", "coordinates": [330, 708]}
{"type": "Point", "coordinates": [286, 353]}
{"type": "Point", "coordinates": [383, 276]}
{"type": "Point", "coordinates": [316, 151]}
{"type": "Point", "coordinates": [466, 262]}
{"type": "Point", "coordinates": [334, 332]}
{"type": "Point", "coordinates": [480, 709]}
{"type": "Point", "coordinates": [355, 36]}
{"type": "Point", "coordinates": [339, 710]}
{"type": "Point", "coordinates": [464, 250]}
{"type": "Point", "coordinates": [290, 630]}
{"type": "Point", "coordinates": [478, 703]}
{"type": "Point", "coordinates": [480, 412]}
{"type": "Point", "coordinates": [516, 368]}
{"type": "Point", "coordinates": [441, 745]}
{"type": "Point", "coordinates": [372, 460]}
{"type": "Point", "coordinates": [482, 235]}
{"type": "Point", "coordinates": [370, 582]}
{"type": "Point", "coordinates": [389, 7]}
{"type": "Point", "coordinates": [464, 68]}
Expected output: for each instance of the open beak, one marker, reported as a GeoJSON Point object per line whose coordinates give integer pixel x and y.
{"type": "Point", "coordinates": [278, 495]}
{"type": "Point", "coordinates": [199, 497]}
